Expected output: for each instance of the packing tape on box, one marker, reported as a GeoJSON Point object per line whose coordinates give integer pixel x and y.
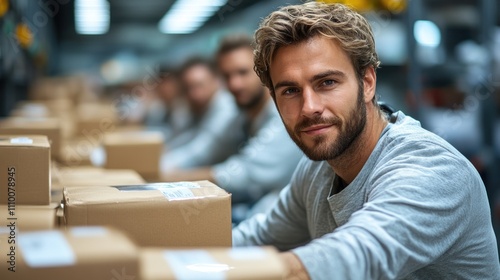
{"type": "Point", "coordinates": [21, 140]}
{"type": "Point", "coordinates": [88, 231]}
{"type": "Point", "coordinates": [158, 186]}
{"type": "Point", "coordinates": [46, 249]}
{"type": "Point", "coordinates": [171, 191]}
{"type": "Point", "coordinates": [195, 264]}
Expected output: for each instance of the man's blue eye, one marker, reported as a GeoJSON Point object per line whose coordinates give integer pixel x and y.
{"type": "Point", "coordinates": [289, 91]}
{"type": "Point", "coordinates": [328, 82]}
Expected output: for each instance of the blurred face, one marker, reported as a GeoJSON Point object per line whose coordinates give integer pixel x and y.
{"type": "Point", "coordinates": [318, 96]}
{"type": "Point", "coordinates": [168, 90]}
{"type": "Point", "coordinates": [200, 85]}
{"type": "Point", "coordinates": [241, 80]}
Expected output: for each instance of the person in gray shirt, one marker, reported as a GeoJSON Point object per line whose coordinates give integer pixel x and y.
{"type": "Point", "coordinates": [378, 197]}
{"type": "Point", "coordinates": [258, 155]}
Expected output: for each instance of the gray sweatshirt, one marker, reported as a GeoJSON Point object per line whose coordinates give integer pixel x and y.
{"type": "Point", "coordinates": [417, 210]}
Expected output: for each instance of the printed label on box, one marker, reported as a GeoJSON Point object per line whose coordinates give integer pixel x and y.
{"type": "Point", "coordinates": [21, 140]}
{"type": "Point", "coordinates": [46, 249]}
{"type": "Point", "coordinates": [177, 193]}
{"type": "Point", "coordinates": [195, 264]}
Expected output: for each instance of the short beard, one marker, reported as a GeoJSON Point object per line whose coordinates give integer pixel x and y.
{"type": "Point", "coordinates": [349, 132]}
{"type": "Point", "coordinates": [256, 99]}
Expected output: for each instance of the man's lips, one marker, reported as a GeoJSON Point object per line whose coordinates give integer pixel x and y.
{"type": "Point", "coordinates": [316, 129]}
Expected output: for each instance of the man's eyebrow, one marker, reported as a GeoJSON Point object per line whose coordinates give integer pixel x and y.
{"type": "Point", "coordinates": [285, 84]}
{"type": "Point", "coordinates": [325, 74]}
{"type": "Point", "coordinates": [319, 76]}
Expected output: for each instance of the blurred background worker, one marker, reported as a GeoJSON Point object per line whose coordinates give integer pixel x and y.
{"type": "Point", "coordinates": [168, 111]}
{"type": "Point", "coordinates": [212, 110]}
{"type": "Point", "coordinates": [264, 157]}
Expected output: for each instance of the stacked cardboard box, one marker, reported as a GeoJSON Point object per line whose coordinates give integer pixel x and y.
{"type": "Point", "coordinates": [89, 176]}
{"type": "Point", "coordinates": [93, 120]}
{"type": "Point", "coordinates": [78, 254]}
{"type": "Point", "coordinates": [26, 170]}
{"type": "Point", "coordinates": [182, 214]}
{"type": "Point", "coordinates": [140, 151]}
{"type": "Point", "coordinates": [29, 217]}
{"type": "Point", "coordinates": [50, 127]}
{"type": "Point", "coordinates": [246, 263]}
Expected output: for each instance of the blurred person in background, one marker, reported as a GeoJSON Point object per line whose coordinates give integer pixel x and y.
{"type": "Point", "coordinates": [168, 111]}
{"type": "Point", "coordinates": [211, 109]}
{"type": "Point", "coordinates": [262, 157]}
{"type": "Point", "coordinates": [378, 197]}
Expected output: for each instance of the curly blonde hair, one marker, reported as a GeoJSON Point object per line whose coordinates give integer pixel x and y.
{"type": "Point", "coordinates": [296, 23]}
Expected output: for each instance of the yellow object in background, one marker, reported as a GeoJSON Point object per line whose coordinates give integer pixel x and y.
{"type": "Point", "coordinates": [24, 35]}
{"type": "Point", "coordinates": [395, 6]}
{"type": "Point", "coordinates": [4, 7]}
{"type": "Point", "coordinates": [358, 5]}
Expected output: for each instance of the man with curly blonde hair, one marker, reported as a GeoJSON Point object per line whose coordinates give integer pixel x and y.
{"type": "Point", "coordinates": [378, 197]}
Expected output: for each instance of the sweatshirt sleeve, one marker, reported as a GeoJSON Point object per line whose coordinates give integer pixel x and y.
{"type": "Point", "coordinates": [412, 217]}
{"type": "Point", "coordinates": [284, 226]}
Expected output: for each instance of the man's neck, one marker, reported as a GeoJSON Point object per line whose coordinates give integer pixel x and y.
{"type": "Point", "coordinates": [253, 112]}
{"type": "Point", "coordinates": [348, 165]}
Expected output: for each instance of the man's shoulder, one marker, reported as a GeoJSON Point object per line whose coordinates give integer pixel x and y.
{"type": "Point", "coordinates": [406, 133]}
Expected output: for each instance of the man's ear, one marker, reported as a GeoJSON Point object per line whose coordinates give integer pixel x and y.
{"type": "Point", "coordinates": [369, 83]}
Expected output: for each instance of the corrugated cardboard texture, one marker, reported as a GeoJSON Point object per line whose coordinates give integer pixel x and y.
{"type": "Point", "coordinates": [49, 127]}
{"type": "Point", "coordinates": [153, 220]}
{"type": "Point", "coordinates": [32, 170]}
{"type": "Point", "coordinates": [106, 256]}
{"type": "Point", "coordinates": [258, 264]}
{"type": "Point", "coordinates": [31, 217]}
{"type": "Point", "coordinates": [140, 151]}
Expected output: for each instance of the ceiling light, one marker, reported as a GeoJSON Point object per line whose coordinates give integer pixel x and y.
{"type": "Point", "coordinates": [187, 16]}
{"type": "Point", "coordinates": [427, 33]}
{"type": "Point", "coordinates": [91, 16]}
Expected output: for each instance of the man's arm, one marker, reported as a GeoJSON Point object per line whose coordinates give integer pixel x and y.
{"type": "Point", "coordinates": [413, 217]}
{"type": "Point", "coordinates": [285, 225]}
{"type": "Point", "coordinates": [295, 270]}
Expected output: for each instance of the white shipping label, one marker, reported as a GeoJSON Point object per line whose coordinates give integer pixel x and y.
{"type": "Point", "coordinates": [46, 249]}
{"type": "Point", "coordinates": [247, 253]}
{"type": "Point", "coordinates": [195, 264]}
{"type": "Point", "coordinates": [177, 193]}
{"type": "Point", "coordinates": [21, 140]}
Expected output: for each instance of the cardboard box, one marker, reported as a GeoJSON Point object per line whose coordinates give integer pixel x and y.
{"type": "Point", "coordinates": [140, 151]}
{"type": "Point", "coordinates": [245, 263]}
{"type": "Point", "coordinates": [49, 127]}
{"type": "Point", "coordinates": [30, 217]}
{"type": "Point", "coordinates": [182, 214]}
{"type": "Point", "coordinates": [90, 176]}
{"type": "Point", "coordinates": [77, 152]}
{"type": "Point", "coordinates": [25, 164]}
{"type": "Point", "coordinates": [93, 120]}
{"type": "Point", "coordinates": [78, 254]}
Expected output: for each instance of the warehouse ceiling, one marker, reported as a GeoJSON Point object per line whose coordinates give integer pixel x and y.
{"type": "Point", "coordinates": [142, 14]}
{"type": "Point", "coordinates": [134, 29]}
